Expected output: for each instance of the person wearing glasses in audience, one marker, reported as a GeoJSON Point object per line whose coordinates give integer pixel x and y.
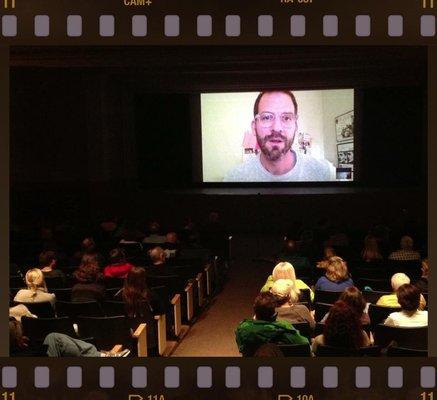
{"type": "Point", "coordinates": [275, 127]}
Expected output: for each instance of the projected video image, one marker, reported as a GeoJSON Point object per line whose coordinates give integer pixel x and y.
{"type": "Point", "coordinates": [278, 136]}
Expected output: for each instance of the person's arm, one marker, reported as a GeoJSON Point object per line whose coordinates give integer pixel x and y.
{"type": "Point", "coordinates": [389, 321]}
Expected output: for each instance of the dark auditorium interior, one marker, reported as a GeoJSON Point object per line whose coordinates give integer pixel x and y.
{"type": "Point", "coordinates": [105, 143]}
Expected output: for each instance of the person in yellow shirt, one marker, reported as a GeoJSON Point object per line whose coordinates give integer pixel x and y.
{"type": "Point", "coordinates": [391, 300]}
{"type": "Point", "coordinates": [284, 270]}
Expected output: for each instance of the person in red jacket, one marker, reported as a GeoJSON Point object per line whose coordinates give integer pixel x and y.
{"type": "Point", "coordinates": [118, 266]}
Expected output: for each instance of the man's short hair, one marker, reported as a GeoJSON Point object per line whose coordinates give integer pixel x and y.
{"type": "Point", "coordinates": [407, 243]}
{"type": "Point", "coordinates": [264, 307]}
{"type": "Point", "coordinates": [46, 257]}
{"type": "Point", "coordinates": [408, 297]}
{"type": "Point", "coordinates": [287, 92]}
{"type": "Point", "coordinates": [117, 256]}
{"type": "Point", "coordinates": [398, 280]}
{"type": "Point", "coordinates": [156, 254]}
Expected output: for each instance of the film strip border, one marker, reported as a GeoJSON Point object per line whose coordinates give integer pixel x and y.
{"type": "Point", "coordinates": [359, 375]}
{"type": "Point", "coordinates": [284, 26]}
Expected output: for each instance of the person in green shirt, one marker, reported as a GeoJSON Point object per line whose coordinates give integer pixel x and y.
{"type": "Point", "coordinates": [263, 328]}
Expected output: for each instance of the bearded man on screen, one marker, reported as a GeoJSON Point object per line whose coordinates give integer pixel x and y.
{"type": "Point", "coordinates": [275, 127]}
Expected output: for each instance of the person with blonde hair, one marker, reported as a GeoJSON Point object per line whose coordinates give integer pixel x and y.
{"type": "Point", "coordinates": [287, 307]}
{"type": "Point", "coordinates": [391, 300]}
{"type": "Point", "coordinates": [36, 291]}
{"type": "Point", "coordinates": [337, 276]}
{"type": "Point", "coordinates": [284, 270]}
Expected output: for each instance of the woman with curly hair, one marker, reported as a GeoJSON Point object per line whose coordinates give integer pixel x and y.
{"type": "Point", "coordinates": [89, 278]}
{"type": "Point", "coordinates": [342, 329]}
{"type": "Point", "coordinates": [337, 276]}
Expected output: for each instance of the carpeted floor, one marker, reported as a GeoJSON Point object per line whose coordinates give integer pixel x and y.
{"type": "Point", "coordinates": [213, 335]}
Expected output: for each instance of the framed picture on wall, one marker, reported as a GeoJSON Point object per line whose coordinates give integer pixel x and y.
{"type": "Point", "coordinates": [345, 154]}
{"type": "Point", "coordinates": [344, 126]}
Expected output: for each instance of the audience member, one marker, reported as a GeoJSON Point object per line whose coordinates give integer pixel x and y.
{"type": "Point", "coordinates": [19, 345]}
{"type": "Point", "coordinates": [36, 291]}
{"type": "Point", "coordinates": [353, 297]}
{"type": "Point", "coordinates": [268, 350]}
{"type": "Point", "coordinates": [406, 252]}
{"type": "Point", "coordinates": [370, 252]}
{"type": "Point", "coordinates": [60, 345]}
{"type": "Point", "coordinates": [118, 266]}
{"type": "Point", "coordinates": [337, 277]}
{"type": "Point", "coordinates": [285, 270]}
{"type": "Point", "coordinates": [328, 252]}
{"type": "Point", "coordinates": [422, 282]}
{"type": "Point", "coordinates": [89, 278]}
{"type": "Point", "coordinates": [20, 310]}
{"type": "Point", "coordinates": [342, 329]}
{"type": "Point", "coordinates": [141, 305]}
{"type": "Point", "coordinates": [171, 245]}
{"type": "Point", "coordinates": [410, 316]}
{"type": "Point", "coordinates": [47, 262]}
{"type": "Point", "coordinates": [264, 328]}
{"type": "Point", "coordinates": [159, 262]}
{"type": "Point", "coordinates": [290, 254]}
{"type": "Point", "coordinates": [154, 236]}
{"type": "Point", "coordinates": [88, 248]}
{"type": "Point", "coordinates": [391, 300]}
{"type": "Point", "coordinates": [287, 308]}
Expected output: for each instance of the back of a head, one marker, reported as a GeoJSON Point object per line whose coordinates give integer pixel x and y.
{"type": "Point", "coordinates": [46, 258]}
{"type": "Point", "coordinates": [343, 327]}
{"type": "Point", "coordinates": [264, 307]}
{"type": "Point", "coordinates": [290, 247]}
{"type": "Point", "coordinates": [408, 297]}
{"type": "Point", "coordinates": [398, 280]}
{"type": "Point", "coordinates": [88, 273]}
{"type": "Point", "coordinates": [425, 268]}
{"type": "Point", "coordinates": [171, 237]}
{"type": "Point", "coordinates": [154, 227]}
{"type": "Point", "coordinates": [117, 256]}
{"type": "Point", "coordinates": [354, 298]}
{"type": "Point", "coordinates": [157, 255]}
{"type": "Point", "coordinates": [136, 278]}
{"type": "Point", "coordinates": [88, 245]}
{"type": "Point", "coordinates": [135, 291]}
{"type": "Point", "coordinates": [268, 350]}
{"type": "Point", "coordinates": [407, 243]}
{"type": "Point", "coordinates": [336, 269]}
{"type": "Point", "coordinates": [285, 292]}
{"type": "Point", "coordinates": [284, 270]}
{"type": "Point", "coordinates": [35, 279]}
{"type": "Point", "coordinates": [371, 249]}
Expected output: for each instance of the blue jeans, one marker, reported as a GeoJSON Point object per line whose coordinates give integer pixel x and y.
{"type": "Point", "coordinates": [60, 345]}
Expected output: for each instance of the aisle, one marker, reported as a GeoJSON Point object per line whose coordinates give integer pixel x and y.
{"type": "Point", "coordinates": [213, 335]}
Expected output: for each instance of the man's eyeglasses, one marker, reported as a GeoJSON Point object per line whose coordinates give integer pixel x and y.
{"type": "Point", "coordinates": [266, 119]}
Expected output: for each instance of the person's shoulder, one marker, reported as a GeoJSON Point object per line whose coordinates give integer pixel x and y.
{"type": "Point", "coordinates": [316, 168]}
{"type": "Point", "coordinates": [244, 172]}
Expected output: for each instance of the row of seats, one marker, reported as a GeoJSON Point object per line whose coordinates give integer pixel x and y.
{"type": "Point", "coordinates": [97, 321]}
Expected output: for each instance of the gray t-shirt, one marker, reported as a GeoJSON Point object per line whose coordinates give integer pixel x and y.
{"type": "Point", "coordinates": [307, 168]}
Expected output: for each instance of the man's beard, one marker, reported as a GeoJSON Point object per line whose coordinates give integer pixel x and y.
{"type": "Point", "coordinates": [274, 153]}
